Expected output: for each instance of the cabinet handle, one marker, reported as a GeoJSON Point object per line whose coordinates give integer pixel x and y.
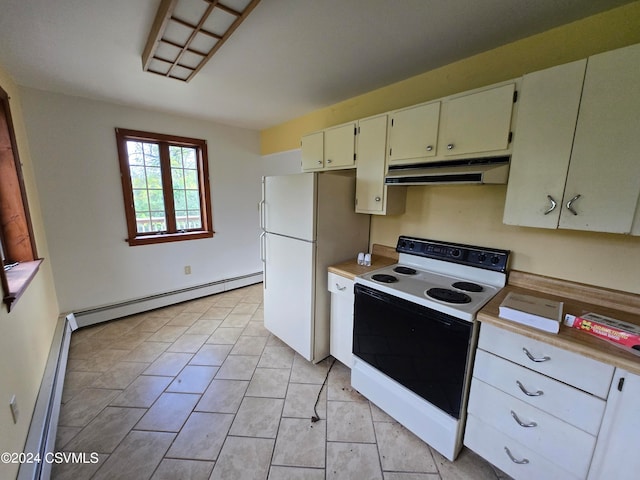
{"type": "Point", "coordinates": [377, 199]}
{"type": "Point", "coordinates": [524, 461]}
{"type": "Point", "coordinates": [329, 160]}
{"type": "Point", "coordinates": [537, 393]}
{"type": "Point", "coordinates": [534, 359]}
{"type": "Point", "coordinates": [521, 423]}
{"type": "Point", "coordinates": [450, 146]}
{"type": "Point", "coordinates": [429, 148]}
{"type": "Point", "coordinates": [570, 204]}
{"type": "Point", "coordinates": [342, 289]}
{"type": "Point", "coordinates": [553, 205]}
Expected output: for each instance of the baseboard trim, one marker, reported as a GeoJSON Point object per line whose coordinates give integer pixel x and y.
{"type": "Point", "coordinates": [41, 438]}
{"type": "Point", "coordinates": [151, 302]}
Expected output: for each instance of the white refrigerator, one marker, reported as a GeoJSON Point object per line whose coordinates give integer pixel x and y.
{"type": "Point", "coordinates": [308, 223]}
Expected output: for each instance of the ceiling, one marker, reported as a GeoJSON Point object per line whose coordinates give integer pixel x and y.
{"type": "Point", "coordinates": [288, 58]}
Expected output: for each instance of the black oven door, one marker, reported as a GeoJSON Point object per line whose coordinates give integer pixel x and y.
{"type": "Point", "coordinates": [425, 350]}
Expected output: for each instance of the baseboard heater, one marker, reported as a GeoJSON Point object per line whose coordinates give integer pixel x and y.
{"type": "Point", "coordinates": [151, 302]}
{"type": "Point", "coordinates": [41, 438]}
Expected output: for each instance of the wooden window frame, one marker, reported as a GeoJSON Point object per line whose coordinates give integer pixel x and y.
{"type": "Point", "coordinates": [17, 240]}
{"type": "Point", "coordinates": [164, 141]}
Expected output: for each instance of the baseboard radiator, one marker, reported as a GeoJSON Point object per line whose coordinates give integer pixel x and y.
{"type": "Point", "coordinates": [139, 305]}
{"type": "Point", "coordinates": [41, 438]}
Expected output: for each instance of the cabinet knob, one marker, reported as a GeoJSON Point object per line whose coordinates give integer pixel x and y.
{"type": "Point", "coordinates": [450, 146]}
{"type": "Point", "coordinates": [570, 204]}
{"type": "Point", "coordinates": [429, 148]}
{"type": "Point", "coordinates": [329, 160]}
{"type": "Point", "coordinates": [319, 162]}
{"type": "Point", "coordinates": [378, 199]}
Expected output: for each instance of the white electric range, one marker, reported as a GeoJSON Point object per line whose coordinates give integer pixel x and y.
{"type": "Point", "coordinates": [415, 334]}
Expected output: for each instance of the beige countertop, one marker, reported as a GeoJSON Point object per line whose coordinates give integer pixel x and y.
{"type": "Point", "coordinates": [381, 256]}
{"type": "Point", "coordinates": [578, 299]}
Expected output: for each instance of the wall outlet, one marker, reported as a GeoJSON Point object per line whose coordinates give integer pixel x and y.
{"type": "Point", "coordinates": [13, 404]}
{"type": "Point", "coordinates": [187, 270]}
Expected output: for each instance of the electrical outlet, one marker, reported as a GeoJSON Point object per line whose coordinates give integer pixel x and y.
{"type": "Point", "coordinates": [187, 270]}
{"type": "Point", "coordinates": [13, 404]}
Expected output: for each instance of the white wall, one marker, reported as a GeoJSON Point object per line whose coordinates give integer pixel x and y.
{"type": "Point", "coordinates": [78, 178]}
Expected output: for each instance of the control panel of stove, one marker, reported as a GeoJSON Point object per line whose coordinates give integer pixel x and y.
{"type": "Point", "coordinates": [481, 257]}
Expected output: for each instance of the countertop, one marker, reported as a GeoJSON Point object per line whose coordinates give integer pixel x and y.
{"type": "Point", "coordinates": [578, 299]}
{"type": "Point", "coordinates": [381, 256]}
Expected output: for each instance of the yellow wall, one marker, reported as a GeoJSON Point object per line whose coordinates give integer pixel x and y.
{"type": "Point", "coordinates": [473, 214]}
{"type": "Point", "coordinates": [599, 33]}
{"type": "Point", "coordinates": [26, 332]}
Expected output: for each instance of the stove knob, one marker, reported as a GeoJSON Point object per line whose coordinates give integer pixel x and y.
{"type": "Point", "coordinates": [495, 259]}
{"type": "Point", "coordinates": [455, 253]}
{"type": "Point", "coordinates": [411, 245]}
{"type": "Point", "coordinates": [482, 257]}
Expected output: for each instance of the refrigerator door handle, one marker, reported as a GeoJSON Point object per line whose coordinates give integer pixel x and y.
{"type": "Point", "coordinates": [263, 258]}
{"type": "Point", "coordinates": [261, 211]}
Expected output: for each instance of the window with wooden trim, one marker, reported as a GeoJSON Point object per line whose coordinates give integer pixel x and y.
{"type": "Point", "coordinates": [17, 245]}
{"type": "Point", "coordinates": [165, 183]}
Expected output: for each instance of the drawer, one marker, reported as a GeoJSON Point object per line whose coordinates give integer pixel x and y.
{"type": "Point", "coordinates": [569, 367]}
{"type": "Point", "coordinates": [339, 284]}
{"type": "Point", "coordinates": [491, 444]}
{"type": "Point", "coordinates": [559, 442]}
{"type": "Point", "coordinates": [574, 406]}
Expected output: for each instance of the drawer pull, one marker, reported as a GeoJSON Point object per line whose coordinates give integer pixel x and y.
{"type": "Point", "coordinates": [524, 461]}
{"type": "Point", "coordinates": [342, 289]}
{"type": "Point", "coordinates": [527, 392]}
{"type": "Point", "coordinates": [534, 359]}
{"type": "Point", "coordinates": [521, 423]}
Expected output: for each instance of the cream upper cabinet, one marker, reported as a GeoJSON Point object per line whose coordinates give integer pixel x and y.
{"type": "Point", "coordinates": [477, 122]}
{"type": "Point", "coordinates": [339, 146]}
{"type": "Point", "coordinates": [575, 162]}
{"type": "Point", "coordinates": [547, 114]}
{"type": "Point", "coordinates": [313, 151]}
{"type": "Point", "coordinates": [616, 454]}
{"type": "Point", "coordinates": [333, 148]}
{"type": "Point", "coordinates": [603, 183]}
{"type": "Point", "coordinates": [413, 134]}
{"type": "Point", "coordinates": [372, 195]}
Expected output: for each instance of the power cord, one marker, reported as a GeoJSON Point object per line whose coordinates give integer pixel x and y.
{"type": "Point", "coordinates": [316, 417]}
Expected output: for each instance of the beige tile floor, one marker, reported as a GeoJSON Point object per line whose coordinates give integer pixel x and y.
{"type": "Point", "coordinates": [201, 390]}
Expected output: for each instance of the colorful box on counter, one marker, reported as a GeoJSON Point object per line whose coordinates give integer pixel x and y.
{"type": "Point", "coordinates": [617, 332]}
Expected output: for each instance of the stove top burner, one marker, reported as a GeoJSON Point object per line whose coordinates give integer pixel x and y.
{"type": "Point", "coordinates": [449, 296]}
{"type": "Point", "coordinates": [383, 278]}
{"type": "Point", "coordinates": [468, 286]}
{"type": "Point", "coordinates": [405, 270]}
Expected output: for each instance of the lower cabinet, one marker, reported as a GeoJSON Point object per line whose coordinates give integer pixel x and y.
{"type": "Point", "coordinates": [341, 329]}
{"type": "Point", "coordinates": [535, 410]}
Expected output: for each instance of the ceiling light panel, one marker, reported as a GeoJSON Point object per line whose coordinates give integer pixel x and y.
{"type": "Point", "coordinates": [187, 33]}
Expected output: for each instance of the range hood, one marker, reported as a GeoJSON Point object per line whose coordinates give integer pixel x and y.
{"type": "Point", "coordinates": [494, 170]}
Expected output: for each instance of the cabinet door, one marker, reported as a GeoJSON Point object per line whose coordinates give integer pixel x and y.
{"type": "Point", "coordinates": [547, 113]}
{"type": "Point", "coordinates": [339, 146]}
{"type": "Point", "coordinates": [313, 151]}
{"type": "Point", "coordinates": [372, 146]}
{"type": "Point", "coordinates": [616, 455]}
{"type": "Point", "coordinates": [604, 169]}
{"type": "Point", "coordinates": [477, 122]}
{"type": "Point", "coordinates": [413, 133]}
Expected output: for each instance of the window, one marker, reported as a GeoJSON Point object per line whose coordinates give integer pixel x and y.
{"type": "Point", "coordinates": [17, 246]}
{"type": "Point", "coordinates": [165, 183]}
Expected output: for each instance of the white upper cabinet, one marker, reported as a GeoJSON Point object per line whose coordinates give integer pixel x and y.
{"type": "Point", "coordinates": [478, 122]}
{"type": "Point", "coordinates": [547, 114]}
{"type": "Point", "coordinates": [313, 151]}
{"type": "Point", "coordinates": [413, 134]}
{"type": "Point", "coordinates": [575, 156]}
{"type": "Point", "coordinates": [333, 148]}
{"type": "Point", "coordinates": [372, 195]}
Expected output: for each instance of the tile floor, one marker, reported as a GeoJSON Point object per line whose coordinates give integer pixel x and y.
{"type": "Point", "coordinates": [201, 390]}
